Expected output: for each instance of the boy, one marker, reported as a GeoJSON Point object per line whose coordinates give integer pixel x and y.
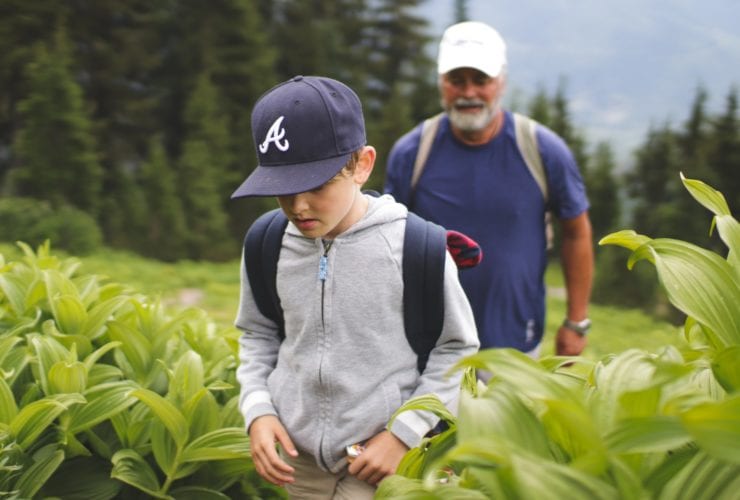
{"type": "Point", "coordinates": [344, 365]}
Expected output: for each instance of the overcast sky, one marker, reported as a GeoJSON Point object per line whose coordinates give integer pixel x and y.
{"type": "Point", "coordinates": [627, 64]}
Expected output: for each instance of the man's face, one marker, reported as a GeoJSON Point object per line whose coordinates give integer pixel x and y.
{"type": "Point", "coordinates": [471, 98]}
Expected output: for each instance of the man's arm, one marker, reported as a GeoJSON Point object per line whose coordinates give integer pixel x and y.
{"type": "Point", "coordinates": [577, 259]}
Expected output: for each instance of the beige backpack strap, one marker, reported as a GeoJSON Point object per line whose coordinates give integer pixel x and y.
{"type": "Point", "coordinates": [526, 141]}
{"type": "Point", "coordinates": [428, 132]}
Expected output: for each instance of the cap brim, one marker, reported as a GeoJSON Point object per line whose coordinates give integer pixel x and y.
{"type": "Point", "coordinates": [285, 180]}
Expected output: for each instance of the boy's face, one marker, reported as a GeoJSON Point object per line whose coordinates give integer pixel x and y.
{"type": "Point", "coordinates": [332, 208]}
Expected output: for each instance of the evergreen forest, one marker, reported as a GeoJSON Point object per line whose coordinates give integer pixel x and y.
{"type": "Point", "coordinates": [126, 124]}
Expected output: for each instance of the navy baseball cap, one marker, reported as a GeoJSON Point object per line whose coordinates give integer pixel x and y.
{"type": "Point", "coordinates": [305, 130]}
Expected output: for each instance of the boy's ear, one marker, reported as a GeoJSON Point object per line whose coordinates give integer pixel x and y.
{"type": "Point", "coordinates": [365, 164]}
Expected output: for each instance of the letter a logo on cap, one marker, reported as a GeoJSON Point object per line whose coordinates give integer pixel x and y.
{"type": "Point", "coordinates": [275, 135]}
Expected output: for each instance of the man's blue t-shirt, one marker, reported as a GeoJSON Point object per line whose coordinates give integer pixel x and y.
{"type": "Point", "coordinates": [488, 193]}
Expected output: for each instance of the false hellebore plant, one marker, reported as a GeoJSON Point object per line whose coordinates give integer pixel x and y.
{"type": "Point", "coordinates": [635, 425]}
{"type": "Point", "coordinates": [106, 394]}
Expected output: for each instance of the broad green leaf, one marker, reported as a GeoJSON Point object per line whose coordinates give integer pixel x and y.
{"type": "Point", "coordinates": [428, 402]}
{"type": "Point", "coordinates": [647, 435]}
{"type": "Point", "coordinates": [93, 357]}
{"type": "Point", "coordinates": [726, 368]}
{"type": "Point", "coordinates": [101, 373]}
{"type": "Point", "coordinates": [100, 313]}
{"type": "Point", "coordinates": [401, 488]}
{"type": "Point", "coordinates": [573, 428]}
{"type": "Point", "coordinates": [167, 413]}
{"type": "Point", "coordinates": [46, 461]}
{"type": "Point", "coordinates": [716, 428]}
{"type": "Point", "coordinates": [6, 345]}
{"type": "Point", "coordinates": [699, 283]}
{"type": "Point", "coordinates": [164, 449]}
{"type": "Point", "coordinates": [103, 402]}
{"type": "Point", "coordinates": [58, 285]}
{"type": "Point", "coordinates": [544, 480]}
{"type": "Point", "coordinates": [132, 469]}
{"type": "Point", "coordinates": [221, 444]}
{"type": "Point", "coordinates": [703, 478]}
{"type": "Point", "coordinates": [521, 371]}
{"type": "Point", "coordinates": [66, 377]}
{"type": "Point", "coordinates": [628, 372]}
{"type": "Point", "coordinates": [33, 419]}
{"type": "Point", "coordinates": [14, 289]}
{"type": "Point", "coordinates": [135, 347]}
{"type": "Point", "coordinates": [202, 412]}
{"type": "Point", "coordinates": [500, 411]}
{"type": "Point", "coordinates": [626, 238]}
{"type": "Point", "coordinates": [69, 313]}
{"type": "Point", "coordinates": [727, 225]}
{"type": "Point", "coordinates": [709, 197]}
{"type": "Point", "coordinates": [188, 376]}
{"type": "Point", "coordinates": [48, 352]}
{"type": "Point", "coordinates": [669, 468]}
{"type": "Point", "coordinates": [8, 408]}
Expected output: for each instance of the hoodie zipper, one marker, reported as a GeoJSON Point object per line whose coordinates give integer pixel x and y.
{"type": "Point", "coordinates": [323, 274]}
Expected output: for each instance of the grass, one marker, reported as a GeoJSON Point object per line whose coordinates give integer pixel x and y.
{"type": "Point", "coordinates": [214, 287]}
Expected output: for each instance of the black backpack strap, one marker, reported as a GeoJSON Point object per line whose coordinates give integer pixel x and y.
{"type": "Point", "coordinates": [261, 252]}
{"type": "Point", "coordinates": [424, 252]}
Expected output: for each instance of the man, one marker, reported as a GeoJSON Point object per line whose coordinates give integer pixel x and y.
{"type": "Point", "coordinates": [475, 180]}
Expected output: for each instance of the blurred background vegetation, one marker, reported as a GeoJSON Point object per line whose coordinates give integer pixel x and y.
{"type": "Point", "coordinates": [124, 127]}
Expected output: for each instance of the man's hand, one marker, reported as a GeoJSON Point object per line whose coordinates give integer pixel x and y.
{"type": "Point", "coordinates": [264, 432]}
{"type": "Point", "coordinates": [569, 343]}
{"type": "Point", "coordinates": [382, 454]}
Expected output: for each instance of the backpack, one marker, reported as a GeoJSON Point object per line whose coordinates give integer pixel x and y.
{"type": "Point", "coordinates": [424, 253]}
{"type": "Point", "coordinates": [526, 141]}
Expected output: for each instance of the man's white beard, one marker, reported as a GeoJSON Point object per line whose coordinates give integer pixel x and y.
{"type": "Point", "coordinates": [472, 122]}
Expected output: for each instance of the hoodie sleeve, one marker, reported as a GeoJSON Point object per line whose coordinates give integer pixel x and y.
{"type": "Point", "coordinates": [459, 339]}
{"type": "Point", "coordinates": [259, 344]}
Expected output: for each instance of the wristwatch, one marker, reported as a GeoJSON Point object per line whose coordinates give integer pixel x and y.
{"type": "Point", "coordinates": [580, 327]}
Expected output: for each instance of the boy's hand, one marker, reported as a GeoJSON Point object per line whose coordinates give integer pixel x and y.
{"type": "Point", "coordinates": [264, 432]}
{"type": "Point", "coordinates": [382, 454]}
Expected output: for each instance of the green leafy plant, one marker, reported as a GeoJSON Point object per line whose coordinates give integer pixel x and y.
{"type": "Point", "coordinates": [135, 399]}
{"type": "Point", "coordinates": [634, 424]}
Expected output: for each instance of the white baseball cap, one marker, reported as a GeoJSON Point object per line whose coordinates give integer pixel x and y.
{"type": "Point", "coordinates": [471, 44]}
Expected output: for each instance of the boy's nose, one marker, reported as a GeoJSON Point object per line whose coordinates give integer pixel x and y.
{"type": "Point", "coordinates": [298, 203]}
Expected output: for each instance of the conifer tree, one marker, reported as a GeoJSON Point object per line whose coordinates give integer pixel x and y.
{"type": "Point", "coordinates": [166, 231]}
{"type": "Point", "coordinates": [55, 149]}
{"type": "Point", "coordinates": [603, 192]}
{"type": "Point", "coordinates": [202, 165]}
{"type": "Point", "coordinates": [725, 151]}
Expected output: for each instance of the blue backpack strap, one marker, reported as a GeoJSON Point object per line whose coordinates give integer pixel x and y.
{"type": "Point", "coordinates": [424, 252]}
{"type": "Point", "coordinates": [261, 252]}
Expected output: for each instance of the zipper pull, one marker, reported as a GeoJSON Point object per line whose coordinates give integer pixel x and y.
{"type": "Point", "coordinates": [323, 267]}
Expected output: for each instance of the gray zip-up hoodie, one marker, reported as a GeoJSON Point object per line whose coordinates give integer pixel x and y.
{"type": "Point", "coordinates": [345, 365]}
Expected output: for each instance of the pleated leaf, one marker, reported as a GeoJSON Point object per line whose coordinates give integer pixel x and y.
{"type": "Point", "coordinates": [167, 413]}
{"type": "Point", "coordinates": [132, 469]}
{"type": "Point", "coordinates": [726, 368]}
{"type": "Point", "coordinates": [66, 377]}
{"type": "Point", "coordinates": [134, 346]}
{"type": "Point", "coordinates": [103, 402]}
{"type": "Point", "coordinates": [703, 478]}
{"type": "Point", "coordinates": [221, 444]}
{"type": "Point", "coordinates": [547, 480]}
{"type": "Point", "coordinates": [33, 419]}
{"type": "Point", "coordinates": [198, 493]}
{"type": "Point", "coordinates": [430, 403]}
{"type": "Point", "coordinates": [46, 461]}
{"type": "Point", "coordinates": [69, 313]}
{"type": "Point", "coordinates": [716, 428]}
{"type": "Point", "coordinates": [8, 407]}
{"type": "Point", "coordinates": [647, 435]}
{"type": "Point", "coordinates": [699, 283]}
